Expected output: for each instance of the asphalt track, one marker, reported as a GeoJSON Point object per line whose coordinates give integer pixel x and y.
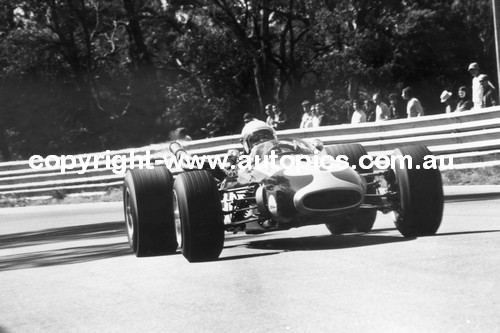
{"type": "Point", "coordinates": [68, 269]}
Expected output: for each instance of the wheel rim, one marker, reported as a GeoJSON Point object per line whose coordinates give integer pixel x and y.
{"type": "Point", "coordinates": [177, 219]}
{"type": "Point", "coordinates": [129, 218]}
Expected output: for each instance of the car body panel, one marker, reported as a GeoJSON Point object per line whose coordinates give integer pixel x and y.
{"type": "Point", "coordinates": [305, 192]}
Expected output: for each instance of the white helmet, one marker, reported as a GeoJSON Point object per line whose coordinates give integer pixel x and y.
{"type": "Point", "coordinates": [256, 132]}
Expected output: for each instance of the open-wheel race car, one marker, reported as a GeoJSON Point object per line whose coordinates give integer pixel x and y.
{"type": "Point", "coordinates": [193, 212]}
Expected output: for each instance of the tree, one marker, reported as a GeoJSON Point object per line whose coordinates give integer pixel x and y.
{"type": "Point", "coordinates": [90, 75]}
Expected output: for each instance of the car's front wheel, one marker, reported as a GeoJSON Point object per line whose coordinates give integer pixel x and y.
{"type": "Point", "coordinates": [417, 193]}
{"type": "Point", "coordinates": [198, 216]}
{"type": "Point", "coordinates": [149, 218]}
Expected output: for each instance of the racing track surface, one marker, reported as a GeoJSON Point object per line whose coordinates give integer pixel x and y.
{"type": "Point", "coordinates": [69, 269]}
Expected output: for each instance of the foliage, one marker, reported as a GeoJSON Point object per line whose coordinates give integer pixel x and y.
{"type": "Point", "coordinates": [90, 75]}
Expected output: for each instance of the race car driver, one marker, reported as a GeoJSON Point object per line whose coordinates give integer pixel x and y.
{"type": "Point", "coordinates": [256, 132]}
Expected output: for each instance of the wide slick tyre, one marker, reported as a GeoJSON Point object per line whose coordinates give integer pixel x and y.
{"type": "Point", "coordinates": [363, 219]}
{"type": "Point", "coordinates": [419, 200]}
{"type": "Point", "coordinates": [199, 218]}
{"type": "Point", "coordinates": [149, 215]}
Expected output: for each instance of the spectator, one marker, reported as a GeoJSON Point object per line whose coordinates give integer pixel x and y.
{"type": "Point", "coordinates": [381, 110]}
{"type": "Point", "coordinates": [477, 88]}
{"type": "Point", "coordinates": [446, 99]}
{"type": "Point", "coordinates": [464, 103]}
{"type": "Point", "coordinates": [270, 115]}
{"type": "Point", "coordinates": [320, 118]}
{"type": "Point", "coordinates": [413, 108]}
{"type": "Point", "coordinates": [181, 134]}
{"type": "Point", "coordinates": [313, 113]}
{"type": "Point", "coordinates": [489, 93]}
{"type": "Point", "coordinates": [248, 117]}
{"type": "Point", "coordinates": [369, 108]}
{"type": "Point", "coordinates": [280, 117]}
{"type": "Point", "coordinates": [396, 107]}
{"type": "Point", "coordinates": [307, 115]}
{"type": "Point", "coordinates": [359, 115]}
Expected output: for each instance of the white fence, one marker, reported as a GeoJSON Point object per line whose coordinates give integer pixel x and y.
{"type": "Point", "coordinates": [472, 138]}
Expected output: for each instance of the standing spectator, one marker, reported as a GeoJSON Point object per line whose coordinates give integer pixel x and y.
{"type": "Point", "coordinates": [446, 99]}
{"type": "Point", "coordinates": [320, 117]}
{"type": "Point", "coordinates": [280, 117]}
{"type": "Point", "coordinates": [369, 108]}
{"type": "Point", "coordinates": [381, 110]}
{"type": "Point", "coordinates": [307, 115]}
{"type": "Point", "coordinates": [464, 103]}
{"type": "Point", "coordinates": [477, 88]}
{"type": "Point", "coordinates": [396, 107]}
{"type": "Point", "coordinates": [359, 115]}
{"type": "Point", "coordinates": [489, 93]}
{"type": "Point", "coordinates": [248, 117]}
{"type": "Point", "coordinates": [270, 115]}
{"type": "Point", "coordinates": [313, 113]}
{"type": "Point", "coordinates": [413, 108]}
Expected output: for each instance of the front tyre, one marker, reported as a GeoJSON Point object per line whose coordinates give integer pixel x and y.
{"type": "Point", "coordinates": [199, 217]}
{"type": "Point", "coordinates": [149, 216]}
{"type": "Point", "coordinates": [418, 199]}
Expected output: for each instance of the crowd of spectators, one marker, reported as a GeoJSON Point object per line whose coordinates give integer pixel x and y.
{"type": "Point", "coordinates": [380, 108]}
{"type": "Point", "coordinates": [407, 105]}
{"type": "Point", "coordinates": [483, 95]}
{"type": "Point", "coordinates": [314, 115]}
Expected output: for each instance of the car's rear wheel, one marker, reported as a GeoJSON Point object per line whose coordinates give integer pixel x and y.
{"type": "Point", "coordinates": [418, 199]}
{"type": "Point", "coordinates": [363, 219]}
{"type": "Point", "coordinates": [149, 218]}
{"type": "Point", "coordinates": [199, 218]}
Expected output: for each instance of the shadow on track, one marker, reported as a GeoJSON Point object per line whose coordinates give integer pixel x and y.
{"type": "Point", "coordinates": [247, 256]}
{"type": "Point", "coordinates": [331, 242]}
{"type": "Point", "coordinates": [472, 197]}
{"type": "Point", "coordinates": [3, 330]}
{"type": "Point", "coordinates": [65, 256]}
{"type": "Point", "coordinates": [56, 235]}
{"type": "Point", "coordinates": [464, 233]}
{"type": "Point", "coordinates": [328, 242]}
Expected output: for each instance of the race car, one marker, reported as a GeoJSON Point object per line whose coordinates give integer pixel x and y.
{"type": "Point", "coordinates": [193, 212]}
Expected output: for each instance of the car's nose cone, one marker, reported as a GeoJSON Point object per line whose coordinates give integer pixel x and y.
{"type": "Point", "coordinates": [331, 192]}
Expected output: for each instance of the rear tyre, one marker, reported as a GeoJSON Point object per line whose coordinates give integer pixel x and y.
{"type": "Point", "coordinates": [363, 219]}
{"type": "Point", "coordinates": [419, 201]}
{"type": "Point", "coordinates": [199, 217]}
{"type": "Point", "coordinates": [149, 216]}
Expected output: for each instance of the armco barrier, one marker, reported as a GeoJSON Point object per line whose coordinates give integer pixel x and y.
{"type": "Point", "coordinates": [472, 138]}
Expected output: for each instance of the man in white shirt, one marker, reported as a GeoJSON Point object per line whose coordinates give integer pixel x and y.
{"type": "Point", "coordinates": [382, 110]}
{"type": "Point", "coordinates": [320, 118]}
{"type": "Point", "coordinates": [477, 88]}
{"type": "Point", "coordinates": [413, 108]}
{"type": "Point", "coordinates": [358, 116]}
{"type": "Point", "coordinates": [307, 116]}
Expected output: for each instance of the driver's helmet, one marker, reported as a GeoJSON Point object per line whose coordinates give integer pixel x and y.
{"type": "Point", "coordinates": [256, 132]}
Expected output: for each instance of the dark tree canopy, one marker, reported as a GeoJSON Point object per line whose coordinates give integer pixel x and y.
{"type": "Point", "coordinates": [89, 75]}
